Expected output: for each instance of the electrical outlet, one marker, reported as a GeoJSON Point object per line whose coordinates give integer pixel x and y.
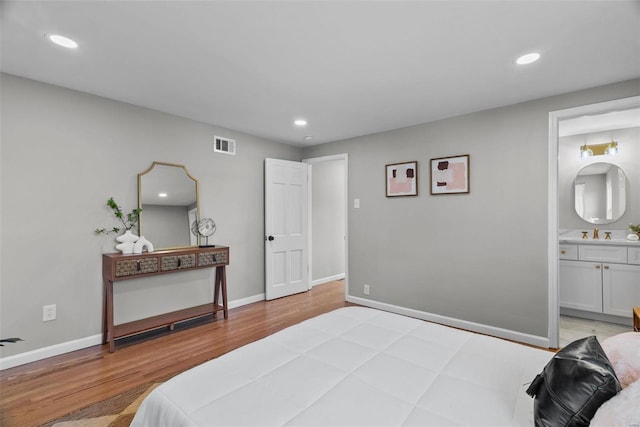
{"type": "Point", "coordinates": [366, 289]}
{"type": "Point", "coordinates": [48, 312]}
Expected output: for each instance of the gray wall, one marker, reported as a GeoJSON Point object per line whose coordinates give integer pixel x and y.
{"type": "Point", "coordinates": [328, 213]}
{"type": "Point", "coordinates": [480, 257]}
{"type": "Point", "coordinates": [570, 164]}
{"type": "Point", "coordinates": [63, 154]}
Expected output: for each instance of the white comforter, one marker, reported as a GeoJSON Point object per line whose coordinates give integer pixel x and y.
{"type": "Point", "coordinates": [355, 367]}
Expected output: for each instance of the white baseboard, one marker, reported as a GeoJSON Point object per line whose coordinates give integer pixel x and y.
{"type": "Point", "coordinates": [52, 350]}
{"type": "Point", "coordinates": [450, 321]}
{"type": "Point", "coordinates": [246, 301]}
{"type": "Point", "coordinates": [69, 346]}
{"type": "Point", "coordinates": [327, 279]}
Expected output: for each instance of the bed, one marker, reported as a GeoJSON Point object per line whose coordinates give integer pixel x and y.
{"type": "Point", "coordinates": [355, 366]}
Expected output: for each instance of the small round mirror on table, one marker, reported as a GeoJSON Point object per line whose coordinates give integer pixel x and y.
{"type": "Point", "coordinates": [600, 191]}
{"type": "Point", "coordinates": [205, 228]}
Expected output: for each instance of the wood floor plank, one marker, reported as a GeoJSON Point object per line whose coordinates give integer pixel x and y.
{"type": "Point", "coordinates": [46, 390]}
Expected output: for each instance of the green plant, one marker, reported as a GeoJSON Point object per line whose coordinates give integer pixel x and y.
{"type": "Point", "coordinates": [128, 222]}
{"type": "Point", "coordinates": [635, 229]}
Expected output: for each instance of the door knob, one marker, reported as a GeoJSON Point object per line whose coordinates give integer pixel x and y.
{"type": "Point", "coordinates": [271, 238]}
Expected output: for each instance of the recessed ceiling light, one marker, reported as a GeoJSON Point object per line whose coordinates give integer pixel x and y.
{"type": "Point", "coordinates": [300, 122]}
{"type": "Point", "coordinates": [63, 41]}
{"type": "Point", "coordinates": [528, 58]}
{"type": "Point", "coordinates": [308, 138]}
{"type": "Point", "coordinates": [162, 194]}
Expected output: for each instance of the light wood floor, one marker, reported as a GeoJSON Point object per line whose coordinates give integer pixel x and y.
{"type": "Point", "coordinates": [39, 392]}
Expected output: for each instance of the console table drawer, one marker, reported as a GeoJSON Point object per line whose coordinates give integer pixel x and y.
{"type": "Point", "coordinates": [177, 262]}
{"type": "Point", "coordinates": [212, 258]}
{"type": "Point", "coordinates": [132, 267]}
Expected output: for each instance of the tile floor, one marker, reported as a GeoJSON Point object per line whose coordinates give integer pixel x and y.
{"type": "Point", "coordinates": [573, 328]}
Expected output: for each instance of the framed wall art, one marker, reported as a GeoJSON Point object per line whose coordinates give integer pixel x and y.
{"type": "Point", "coordinates": [450, 175]}
{"type": "Point", "coordinates": [402, 179]}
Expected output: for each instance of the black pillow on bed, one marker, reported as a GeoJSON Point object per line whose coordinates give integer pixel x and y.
{"type": "Point", "coordinates": [573, 385]}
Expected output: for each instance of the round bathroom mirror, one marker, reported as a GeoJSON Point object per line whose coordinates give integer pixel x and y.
{"type": "Point", "coordinates": [600, 193]}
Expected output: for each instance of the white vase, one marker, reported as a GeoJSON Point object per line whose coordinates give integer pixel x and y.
{"type": "Point", "coordinates": [141, 244]}
{"type": "Point", "coordinates": [127, 241]}
{"type": "Point", "coordinates": [125, 247]}
{"type": "Point", "coordinates": [128, 236]}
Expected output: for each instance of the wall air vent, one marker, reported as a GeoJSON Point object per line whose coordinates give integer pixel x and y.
{"type": "Point", "coordinates": [224, 145]}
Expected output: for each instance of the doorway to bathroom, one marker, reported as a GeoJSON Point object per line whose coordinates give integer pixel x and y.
{"type": "Point", "coordinates": [594, 171]}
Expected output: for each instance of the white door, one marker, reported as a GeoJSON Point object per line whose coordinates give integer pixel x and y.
{"type": "Point", "coordinates": [286, 228]}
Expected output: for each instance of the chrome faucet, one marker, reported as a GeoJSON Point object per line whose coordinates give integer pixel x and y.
{"type": "Point", "coordinates": [595, 233]}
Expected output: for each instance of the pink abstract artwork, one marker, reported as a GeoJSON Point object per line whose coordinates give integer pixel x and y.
{"type": "Point", "coordinates": [402, 179]}
{"type": "Point", "coordinates": [450, 175]}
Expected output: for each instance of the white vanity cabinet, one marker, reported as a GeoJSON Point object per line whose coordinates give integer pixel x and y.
{"type": "Point", "coordinates": [620, 289]}
{"type": "Point", "coordinates": [600, 279]}
{"type": "Point", "coordinates": [581, 285]}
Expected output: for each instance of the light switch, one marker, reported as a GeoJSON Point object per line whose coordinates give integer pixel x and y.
{"type": "Point", "coordinates": [356, 203]}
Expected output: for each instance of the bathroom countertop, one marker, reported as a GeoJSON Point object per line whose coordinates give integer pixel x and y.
{"type": "Point", "coordinates": [590, 241]}
{"type": "Point", "coordinates": [618, 238]}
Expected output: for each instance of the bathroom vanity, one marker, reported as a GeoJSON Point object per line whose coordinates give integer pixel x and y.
{"type": "Point", "coordinates": [599, 279]}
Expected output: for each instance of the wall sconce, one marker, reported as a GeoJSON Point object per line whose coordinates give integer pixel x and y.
{"type": "Point", "coordinates": [585, 151]}
{"type": "Point", "coordinates": [608, 149]}
{"type": "Point", "coordinates": [612, 149]}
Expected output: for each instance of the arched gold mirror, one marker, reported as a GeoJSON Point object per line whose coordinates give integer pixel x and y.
{"type": "Point", "coordinates": [168, 197]}
{"type": "Point", "coordinates": [600, 193]}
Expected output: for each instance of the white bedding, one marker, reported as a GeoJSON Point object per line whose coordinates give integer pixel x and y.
{"type": "Point", "coordinates": [355, 367]}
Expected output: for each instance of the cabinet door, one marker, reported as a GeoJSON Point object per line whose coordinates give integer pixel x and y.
{"type": "Point", "coordinates": [620, 288]}
{"type": "Point", "coordinates": [581, 285]}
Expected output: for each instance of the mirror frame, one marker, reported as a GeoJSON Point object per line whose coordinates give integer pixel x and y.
{"type": "Point", "coordinates": [184, 168]}
{"type": "Point", "coordinates": [601, 221]}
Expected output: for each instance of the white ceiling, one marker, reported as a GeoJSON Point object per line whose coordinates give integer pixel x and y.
{"type": "Point", "coordinates": [349, 67]}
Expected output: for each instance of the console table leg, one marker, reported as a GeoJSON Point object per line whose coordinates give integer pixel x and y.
{"type": "Point", "coordinates": [109, 296]}
{"type": "Point", "coordinates": [216, 293]}
{"type": "Point", "coordinates": [104, 314]}
{"type": "Point", "coordinates": [220, 288]}
{"type": "Point", "coordinates": [223, 282]}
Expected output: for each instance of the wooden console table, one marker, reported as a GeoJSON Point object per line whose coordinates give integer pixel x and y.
{"type": "Point", "coordinates": [117, 267]}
